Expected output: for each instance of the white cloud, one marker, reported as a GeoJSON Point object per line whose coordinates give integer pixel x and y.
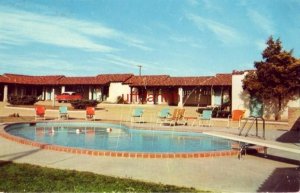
{"type": "Point", "coordinates": [124, 62]}
{"type": "Point", "coordinates": [262, 22]}
{"type": "Point", "coordinates": [224, 33]}
{"type": "Point", "coordinates": [133, 42]}
{"type": "Point", "coordinates": [188, 41]}
{"type": "Point", "coordinates": [133, 64]}
{"type": "Point", "coordinates": [44, 65]}
{"type": "Point", "coordinates": [21, 27]}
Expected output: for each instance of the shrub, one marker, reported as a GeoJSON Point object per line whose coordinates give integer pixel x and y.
{"type": "Point", "coordinates": [216, 112]}
{"type": "Point", "coordinates": [83, 104]}
{"type": "Point", "coordinates": [22, 100]}
{"type": "Point", "coordinates": [120, 100]}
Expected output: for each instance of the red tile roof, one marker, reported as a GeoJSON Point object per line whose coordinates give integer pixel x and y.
{"type": "Point", "coordinates": [106, 78]}
{"type": "Point", "coordinates": [25, 79]}
{"type": "Point", "coordinates": [95, 80]}
{"type": "Point", "coordinates": [3, 79]}
{"type": "Point", "coordinates": [219, 80]}
{"type": "Point", "coordinates": [147, 80]}
{"type": "Point", "coordinates": [165, 80]}
{"type": "Point", "coordinates": [187, 81]}
{"type": "Point", "coordinates": [87, 80]}
{"type": "Point", "coordinates": [63, 80]}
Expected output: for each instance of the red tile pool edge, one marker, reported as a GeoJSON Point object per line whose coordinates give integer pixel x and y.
{"type": "Point", "coordinates": [73, 150]}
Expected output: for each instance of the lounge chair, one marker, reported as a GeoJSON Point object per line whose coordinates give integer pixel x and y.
{"type": "Point", "coordinates": [236, 116]}
{"type": "Point", "coordinates": [63, 112]}
{"type": "Point", "coordinates": [162, 116]}
{"type": "Point", "coordinates": [40, 112]}
{"type": "Point", "coordinates": [176, 117]}
{"type": "Point", "coordinates": [90, 113]}
{"type": "Point", "coordinates": [137, 114]}
{"type": "Point", "coordinates": [205, 118]}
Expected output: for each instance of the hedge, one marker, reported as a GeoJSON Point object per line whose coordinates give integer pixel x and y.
{"type": "Point", "coordinates": [83, 104]}
{"type": "Point", "coordinates": [22, 100]}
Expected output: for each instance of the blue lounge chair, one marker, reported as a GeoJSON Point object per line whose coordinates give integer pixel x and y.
{"type": "Point", "coordinates": [63, 112]}
{"type": "Point", "coordinates": [137, 113]}
{"type": "Point", "coordinates": [163, 115]}
{"type": "Point", "coordinates": [205, 118]}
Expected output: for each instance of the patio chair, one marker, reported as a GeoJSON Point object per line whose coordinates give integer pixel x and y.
{"type": "Point", "coordinates": [205, 118]}
{"type": "Point", "coordinates": [90, 113]}
{"type": "Point", "coordinates": [40, 112]}
{"type": "Point", "coordinates": [137, 114]}
{"type": "Point", "coordinates": [177, 116]}
{"type": "Point", "coordinates": [237, 116]}
{"type": "Point", "coordinates": [162, 116]}
{"type": "Point", "coordinates": [63, 112]}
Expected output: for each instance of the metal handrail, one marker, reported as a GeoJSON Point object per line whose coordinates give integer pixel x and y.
{"type": "Point", "coordinates": [255, 119]}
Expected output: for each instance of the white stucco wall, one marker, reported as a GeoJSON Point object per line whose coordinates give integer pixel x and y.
{"type": "Point", "coordinates": [240, 99]}
{"type": "Point", "coordinates": [118, 89]}
{"type": "Point", "coordinates": [296, 102]}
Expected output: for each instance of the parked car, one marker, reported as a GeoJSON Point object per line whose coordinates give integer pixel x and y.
{"type": "Point", "coordinates": [68, 96]}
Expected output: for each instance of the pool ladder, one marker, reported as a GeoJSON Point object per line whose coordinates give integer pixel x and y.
{"type": "Point", "coordinates": [244, 146]}
{"type": "Point", "coordinates": [253, 120]}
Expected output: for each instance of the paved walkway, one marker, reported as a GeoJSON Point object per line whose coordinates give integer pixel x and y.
{"type": "Point", "coordinates": [249, 174]}
{"type": "Point", "coordinates": [280, 171]}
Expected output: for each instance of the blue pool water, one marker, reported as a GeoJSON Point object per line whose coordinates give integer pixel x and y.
{"type": "Point", "coordinates": [121, 138]}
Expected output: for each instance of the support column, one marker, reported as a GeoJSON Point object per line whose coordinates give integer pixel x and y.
{"type": "Point", "coordinates": [43, 94]}
{"type": "Point", "coordinates": [100, 94]}
{"type": "Point", "coordinates": [134, 97]}
{"type": "Point", "coordinates": [130, 99]}
{"type": "Point", "coordinates": [90, 93]}
{"type": "Point", "coordinates": [5, 93]}
{"type": "Point", "coordinates": [47, 94]}
{"type": "Point", "coordinates": [52, 97]}
{"type": "Point", "coordinates": [180, 95]}
{"type": "Point", "coordinates": [212, 94]}
{"type": "Point", "coordinates": [159, 97]}
{"type": "Point", "coordinates": [63, 89]}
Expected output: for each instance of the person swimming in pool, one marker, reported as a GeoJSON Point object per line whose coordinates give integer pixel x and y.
{"type": "Point", "coordinates": [108, 130]}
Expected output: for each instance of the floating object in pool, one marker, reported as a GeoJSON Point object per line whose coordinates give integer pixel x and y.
{"type": "Point", "coordinates": [108, 130]}
{"type": "Point", "coordinates": [32, 124]}
{"type": "Point", "coordinates": [52, 131]}
{"type": "Point", "coordinates": [78, 131]}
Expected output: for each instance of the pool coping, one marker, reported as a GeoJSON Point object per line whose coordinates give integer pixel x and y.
{"type": "Point", "coordinates": [80, 151]}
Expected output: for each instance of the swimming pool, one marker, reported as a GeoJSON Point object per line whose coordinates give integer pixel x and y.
{"type": "Point", "coordinates": [106, 137]}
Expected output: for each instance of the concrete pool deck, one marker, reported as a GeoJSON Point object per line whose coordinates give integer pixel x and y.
{"type": "Point", "coordinates": [278, 172]}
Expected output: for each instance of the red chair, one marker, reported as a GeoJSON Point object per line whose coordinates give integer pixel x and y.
{"type": "Point", "coordinates": [90, 113]}
{"type": "Point", "coordinates": [236, 116]}
{"type": "Point", "coordinates": [40, 112]}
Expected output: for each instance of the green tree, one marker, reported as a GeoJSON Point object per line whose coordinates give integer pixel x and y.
{"type": "Point", "coordinates": [277, 77]}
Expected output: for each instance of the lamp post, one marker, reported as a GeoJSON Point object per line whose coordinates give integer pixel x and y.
{"type": "Point", "coordinates": [140, 69]}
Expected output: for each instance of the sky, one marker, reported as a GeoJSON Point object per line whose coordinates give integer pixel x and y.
{"type": "Point", "coordinates": [173, 37]}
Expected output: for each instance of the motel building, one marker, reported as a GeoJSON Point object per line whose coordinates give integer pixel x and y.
{"type": "Point", "coordinates": [224, 90]}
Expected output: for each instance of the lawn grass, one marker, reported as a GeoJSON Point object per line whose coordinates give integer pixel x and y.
{"type": "Point", "coordinates": [30, 178]}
